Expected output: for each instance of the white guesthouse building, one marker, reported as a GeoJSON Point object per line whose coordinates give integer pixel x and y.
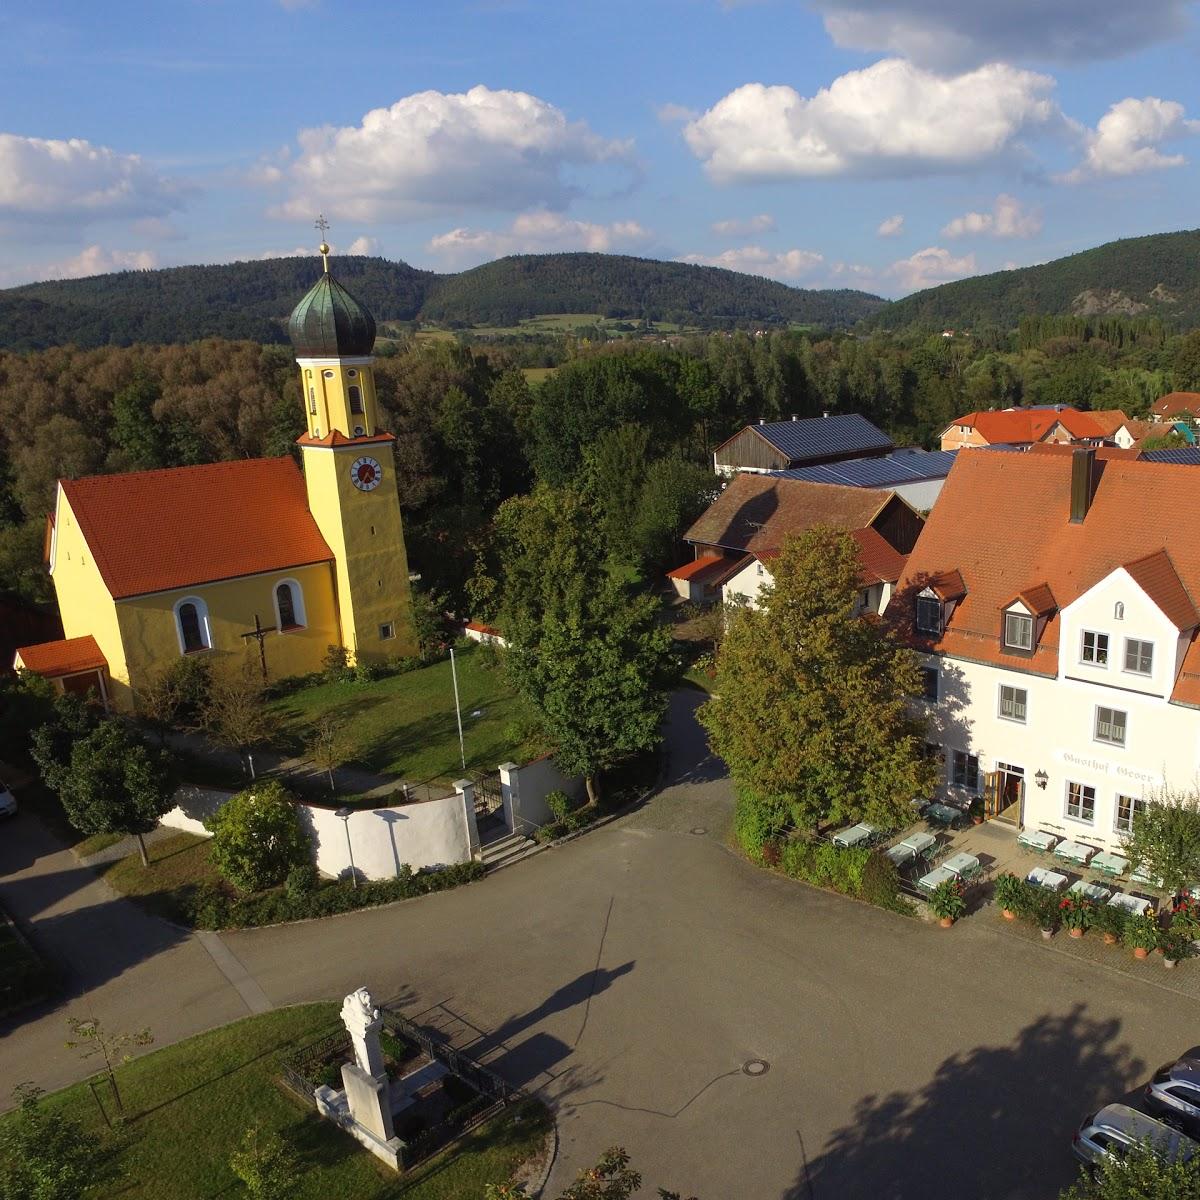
{"type": "Point", "coordinates": [1053, 600]}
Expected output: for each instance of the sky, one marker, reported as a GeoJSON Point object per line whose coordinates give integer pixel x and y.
{"type": "Point", "coordinates": [887, 145]}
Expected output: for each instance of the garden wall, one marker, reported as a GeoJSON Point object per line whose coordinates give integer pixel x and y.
{"type": "Point", "coordinates": [524, 790]}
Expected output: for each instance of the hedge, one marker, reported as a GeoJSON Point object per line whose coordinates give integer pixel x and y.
{"type": "Point", "coordinates": [865, 874]}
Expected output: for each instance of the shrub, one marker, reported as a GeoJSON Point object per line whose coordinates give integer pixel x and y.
{"type": "Point", "coordinates": [796, 858]}
{"type": "Point", "coordinates": [266, 1165]}
{"type": "Point", "coordinates": [550, 832]}
{"type": "Point", "coordinates": [1141, 931]}
{"type": "Point", "coordinates": [1043, 908]}
{"type": "Point", "coordinates": [948, 899]}
{"type": "Point", "coordinates": [1109, 920]}
{"type": "Point", "coordinates": [365, 672]}
{"type": "Point", "coordinates": [1076, 912]}
{"type": "Point", "coordinates": [881, 884]}
{"type": "Point", "coordinates": [1012, 893]}
{"type": "Point", "coordinates": [257, 837]}
{"type": "Point", "coordinates": [301, 881]}
{"type": "Point", "coordinates": [1174, 943]}
{"type": "Point", "coordinates": [335, 666]}
{"type": "Point", "coordinates": [559, 804]}
{"type": "Point", "coordinates": [755, 821]}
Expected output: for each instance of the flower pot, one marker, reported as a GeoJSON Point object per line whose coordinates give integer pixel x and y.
{"type": "Point", "coordinates": [1009, 915]}
{"type": "Point", "coordinates": [1168, 962]}
{"type": "Point", "coordinates": [1110, 939]}
{"type": "Point", "coordinates": [1047, 934]}
{"type": "Point", "coordinates": [1140, 952]}
{"type": "Point", "coordinates": [976, 820]}
{"type": "Point", "coordinates": [1075, 933]}
{"type": "Point", "coordinates": [945, 922]}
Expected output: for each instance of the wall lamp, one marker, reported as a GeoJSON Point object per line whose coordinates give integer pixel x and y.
{"type": "Point", "coordinates": [1041, 779]}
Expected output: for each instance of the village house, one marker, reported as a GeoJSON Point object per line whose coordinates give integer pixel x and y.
{"type": "Point", "coordinates": [781, 445]}
{"type": "Point", "coordinates": [739, 534]}
{"type": "Point", "coordinates": [1024, 427]}
{"type": "Point", "coordinates": [1051, 598]}
{"type": "Point", "coordinates": [1176, 406]}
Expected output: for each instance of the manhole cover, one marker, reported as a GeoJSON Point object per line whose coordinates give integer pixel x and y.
{"type": "Point", "coordinates": [755, 1066]}
{"type": "Point", "coordinates": [698, 830]}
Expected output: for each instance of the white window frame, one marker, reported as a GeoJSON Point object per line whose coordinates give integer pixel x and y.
{"type": "Point", "coordinates": [1083, 788]}
{"type": "Point", "coordinates": [1093, 662]}
{"type": "Point", "coordinates": [1141, 642]}
{"type": "Point", "coordinates": [201, 620]}
{"type": "Point", "coordinates": [1023, 720]}
{"type": "Point", "coordinates": [967, 757]}
{"type": "Point", "coordinates": [390, 627]}
{"type": "Point", "coordinates": [297, 605]}
{"type": "Point", "coordinates": [1135, 802]}
{"type": "Point", "coordinates": [1026, 623]}
{"type": "Point", "coordinates": [1124, 726]}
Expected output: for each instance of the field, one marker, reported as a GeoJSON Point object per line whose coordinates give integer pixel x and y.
{"type": "Point", "coordinates": [189, 1105]}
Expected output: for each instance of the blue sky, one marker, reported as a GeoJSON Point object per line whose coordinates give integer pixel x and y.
{"type": "Point", "coordinates": [882, 144]}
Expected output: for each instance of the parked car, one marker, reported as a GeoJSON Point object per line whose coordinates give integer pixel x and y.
{"type": "Point", "coordinates": [1174, 1091]}
{"type": "Point", "coordinates": [1117, 1127]}
{"type": "Point", "coordinates": [8, 802]}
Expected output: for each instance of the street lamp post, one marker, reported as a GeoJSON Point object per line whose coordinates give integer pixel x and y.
{"type": "Point", "coordinates": [343, 814]}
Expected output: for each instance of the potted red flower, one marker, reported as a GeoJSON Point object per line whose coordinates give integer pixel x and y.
{"type": "Point", "coordinates": [948, 902]}
{"type": "Point", "coordinates": [1075, 912]}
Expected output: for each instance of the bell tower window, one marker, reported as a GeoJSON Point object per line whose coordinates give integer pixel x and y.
{"type": "Point", "coordinates": [356, 401]}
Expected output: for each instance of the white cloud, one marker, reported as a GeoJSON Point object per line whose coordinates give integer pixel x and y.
{"type": "Point", "coordinates": [891, 226]}
{"type": "Point", "coordinates": [929, 267]}
{"type": "Point", "coordinates": [95, 260]}
{"type": "Point", "coordinates": [539, 232]}
{"type": "Point", "coordinates": [434, 150]}
{"type": "Point", "coordinates": [755, 260]}
{"type": "Point", "coordinates": [1008, 219]}
{"type": "Point", "coordinates": [159, 229]}
{"type": "Point", "coordinates": [743, 227]}
{"type": "Point", "coordinates": [958, 33]}
{"type": "Point", "coordinates": [892, 118]}
{"type": "Point", "coordinates": [1126, 139]}
{"type": "Point", "coordinates": [363, 245]}
{"type": "Point", "coordinates": [670, 113]}
{"type": "Point", "coordinates": [47, 179]}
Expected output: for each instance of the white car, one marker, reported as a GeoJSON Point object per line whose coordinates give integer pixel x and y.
{"type": "Point", "coordinates": [8, 802]}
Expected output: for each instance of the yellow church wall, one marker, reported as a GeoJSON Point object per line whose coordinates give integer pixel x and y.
{"type": "Point", "coordinates": [330, 380]}
{"type": "Point", "coordinates": [366, 534]}
{"type": "Point", "coordinates": [84, 604]}
{"type": "Point", "coordinates": [149, 631]}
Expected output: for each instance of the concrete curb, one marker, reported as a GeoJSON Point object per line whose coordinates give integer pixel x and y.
{"type": "Point", "coordinates": [538, 1186]}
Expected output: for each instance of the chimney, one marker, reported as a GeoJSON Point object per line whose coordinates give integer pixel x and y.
{"type": "Point", "coordinates": [762, 420]}
{"type": "Point", "coordinates": [825, 414]}
{"type": "Point", "coordinates": [795, 416]}
{"type": "Point", "coordinates": [1083, 483]}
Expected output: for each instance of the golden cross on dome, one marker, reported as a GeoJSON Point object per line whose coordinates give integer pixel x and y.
{"type": "Point", "coordinates": [322, 225]}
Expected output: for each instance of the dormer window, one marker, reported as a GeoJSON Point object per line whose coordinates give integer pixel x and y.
{"type": "Point", "coordinates": [929, 615]}
{"type": "Point", "coordinates": [1018, 631]}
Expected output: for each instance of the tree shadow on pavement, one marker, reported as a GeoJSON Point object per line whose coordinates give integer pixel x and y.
{"type": "Point", "coordinates": [994, 1123]}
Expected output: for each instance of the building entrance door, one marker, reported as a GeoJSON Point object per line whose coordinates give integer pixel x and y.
{"type": "Point", "coordinates": [1010, 793]}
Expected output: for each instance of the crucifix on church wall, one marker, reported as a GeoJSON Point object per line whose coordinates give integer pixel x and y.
{"type": "Point", "coordinates": [259, 633]}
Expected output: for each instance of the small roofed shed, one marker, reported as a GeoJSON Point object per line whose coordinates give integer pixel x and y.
{"type": "Point", "coordinates": [75, 665]}
{"type": "Point", "coordinates": [780, 445]}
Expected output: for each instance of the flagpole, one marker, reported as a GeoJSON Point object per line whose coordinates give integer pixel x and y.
{"type": "Point", "coordinates": [462, 749]}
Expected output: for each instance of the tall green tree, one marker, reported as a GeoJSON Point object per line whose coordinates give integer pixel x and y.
{"type": "Point", "coordinates": [1139, 1175]}
{"type": "Point", "coordinates": [812, 707]}
{"type": "Point", "coordinates": [257, 837]}
{"type": "Point", "coordinates": [135, 433]}
{"type": "Point", "coordinates": [589, 657]}
{"type": "Point", "coordinates": [1165, 837]}
{"type": "Point", "coordinates": [45, 1155]}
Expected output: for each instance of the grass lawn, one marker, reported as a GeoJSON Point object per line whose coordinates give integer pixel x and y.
{"type": "Point", "coordinates": [537, 374]}
{"type": "Point", "coordinates": [177, 864]}
{"type": "Point", "coordinates": [404, 725]}
{"type": "Point", "coordinates": [189, 1106]}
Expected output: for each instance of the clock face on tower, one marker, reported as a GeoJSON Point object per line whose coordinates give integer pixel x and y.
{"type": "Point", "coordinates": [365, 474]}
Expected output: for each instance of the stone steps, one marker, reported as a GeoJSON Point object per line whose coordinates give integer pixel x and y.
{"type": "Point", "coordinates": [505, 851]}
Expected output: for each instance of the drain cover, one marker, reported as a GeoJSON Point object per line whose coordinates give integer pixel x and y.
{"type": "Point", "coordinates": [755, 1066]}
{"type": "Point", "coordinates": [698, 830]}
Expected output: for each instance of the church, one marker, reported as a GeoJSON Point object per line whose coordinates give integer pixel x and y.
{"type": "Point", "coordinates": [255, 560]}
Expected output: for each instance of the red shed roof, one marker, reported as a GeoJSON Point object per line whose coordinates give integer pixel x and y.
{"type": "Point", "coordinates": [67, 656]}
{"type": "Point", "coordinates": [152, 531]}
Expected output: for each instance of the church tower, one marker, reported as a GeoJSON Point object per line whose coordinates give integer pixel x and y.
{"type": "Point", "coordinates": [349, 470]}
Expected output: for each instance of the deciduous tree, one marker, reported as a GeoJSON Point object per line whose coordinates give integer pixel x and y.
{"type": "Point", "coordinates": [1139, 1175]}
{"type": "Point", "coordinates": [236, 713]}
{"type": "Point", "coordinates": [257, 837]}
{"type": "Point", "coordinates": [812, 707]}
{"type": "Point", "coordinates": [45, 1155]}
{"type": "Point", "coordinates": [1165, 837]}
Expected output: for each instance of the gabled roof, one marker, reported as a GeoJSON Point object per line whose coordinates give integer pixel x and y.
{"type": "Point", "coordinates": [881, 561]}
{"type": "Point", "coordinates": [152, 531]}
{"type": "Point", "coordinates": [1175, 403]}
{"type": "Point", "coordinates": [1024, 425]}
{"type": "Point", "coordinates": [1066, 449]}
{"type": "Point", "coordinates": [891, 470]}
{"type": "Point", "coordinates": [947, 585]}
{"type": "Point", "coordinates": [820, 437]}
{"type": "Point", "coordinates": [756, 512]}
{"type": "Point", "coordinates": [710, 570]}
{"type": "Point", "coordinates": [1038, 600]}
{"type": "Point", "coordinates": [67, 656]}
{"type": "Point", "coordinates": [1006, 517]}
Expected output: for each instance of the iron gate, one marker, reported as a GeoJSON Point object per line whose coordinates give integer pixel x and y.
{"type": "Point", "coordinates": [489, 798]}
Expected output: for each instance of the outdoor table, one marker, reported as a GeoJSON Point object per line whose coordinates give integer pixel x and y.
{"type": "Point", "coordinates": [1036, 839]}
{"type": "Point", "coordinates": [1133, 904]}
{"type": "Point", "coordinates": [1110, 864]}
{"type": "Point", "coordinates": [942, 814]}
{"type": "Point", "coordinates": [927, 883]}
{"type": "Point", "coordinates": [1046, 878]}
{"type": "Point", "coordinates": [962, 865]}
{"type": "Point", "coordinates": [1142, 875]}
{"type": "Point", "coordinates": [901, 854]}
{"type": "Point", "coordinates": [1075, 852]}
{"type": "Point", "coordinates": [855, 834]}
{"type": "Point", "coordinates": [1090, 891]}
{"type": "Point", "coordinates": [920, 842]}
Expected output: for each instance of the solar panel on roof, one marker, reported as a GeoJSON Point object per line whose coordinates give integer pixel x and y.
{"type": "Point", "coordinates": [816, 437]}
{"type": "Point", "coordinates": [1186, 455]}
{"type": "Point", "coordinates": [889, 471]}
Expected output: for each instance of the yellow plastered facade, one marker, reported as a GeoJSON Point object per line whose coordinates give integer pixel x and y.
{"type": "Point", "coordinates": [334, 388]}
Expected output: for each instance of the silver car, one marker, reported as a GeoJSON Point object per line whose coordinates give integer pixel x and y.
{"type": "Point", "coordinates": [8, 802]}
{"type": "Point", "coordinates": [1175, 1092]}
{"type": "Point", "coordinates": [1116, 1128]}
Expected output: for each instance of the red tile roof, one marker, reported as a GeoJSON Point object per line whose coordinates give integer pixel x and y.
{"type": "Point", "coordinates": [709, 570]}
{"type": "Point", "coordinates": [151, 531]}
{"type": "Point", "coordinates": [1024, 425]}
{"type": "Point", "coordinates": [1066, 449]}
{"type": "Point", "coordinates": [68, 656]}
{"type": "Point", "coordinates": [1174, 404]}
{"type": "Point", "coordinates": [882, 562]}
{"type": "Point", "coordinates": [1135, 505]}
{"type": "Point", "coordinates": [756, 512]}
{"type": "Point", "coordinates": [1038, 600]}
{"type": "Point", "coordinates": [340, 439]}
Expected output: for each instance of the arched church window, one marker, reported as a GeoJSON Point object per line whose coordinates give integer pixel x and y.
{"type": "Point", "coordinates": [191, 621]}
{"type": "Point", "coordinates": [289, 605]}
{"type": "Point", "coordinates": [356, 405]}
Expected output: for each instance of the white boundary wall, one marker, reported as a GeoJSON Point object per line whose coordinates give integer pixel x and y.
{"type": "Point", "coordinates": [524, 791]}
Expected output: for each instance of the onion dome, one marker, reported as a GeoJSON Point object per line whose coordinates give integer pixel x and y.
{"type": "Point", "coordinates": [330, 323]}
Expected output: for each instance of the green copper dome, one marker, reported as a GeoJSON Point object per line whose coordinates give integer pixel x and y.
{"type": "Point", "coordinates": [330, 323]}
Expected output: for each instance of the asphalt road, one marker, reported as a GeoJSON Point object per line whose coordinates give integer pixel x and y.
{"type": "Point", "coordinates": [631, 975]}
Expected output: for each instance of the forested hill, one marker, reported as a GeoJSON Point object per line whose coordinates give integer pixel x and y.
{"type": "Point", "coordinates": [614, 285]}
{"type": "Point", "coordinates": [1155, 276]}
{"type": "Point", "coordinates": [251, 300]}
